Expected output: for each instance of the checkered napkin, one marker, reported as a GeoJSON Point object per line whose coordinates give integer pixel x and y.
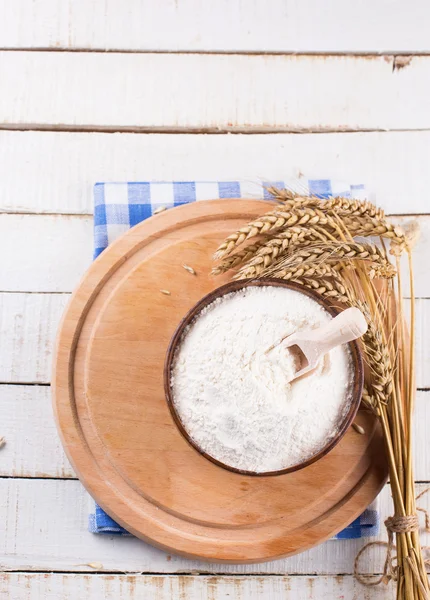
{"type": "Point", "coordinates": [119, 206]}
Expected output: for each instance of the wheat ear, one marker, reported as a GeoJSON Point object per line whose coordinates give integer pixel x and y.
{"type": "Point", "coordinates": [339, 203]}
{"type": "Point", "coordinates": [326, 252]}
{"type": "Point", "coordinates": [321, 278]}
{"type": "Point", "coordinates": [270, 248]}
{"type": "Point", "coordinates": [270, 221]}
{"type": "Point", "coordinates": [238, 258]}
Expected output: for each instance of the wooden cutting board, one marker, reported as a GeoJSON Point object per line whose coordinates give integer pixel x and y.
{"type": "Point", "coordinates": [121, 439]}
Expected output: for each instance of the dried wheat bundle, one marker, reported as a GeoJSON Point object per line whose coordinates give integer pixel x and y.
{"type": "Point", "coordinates": [317, 244]}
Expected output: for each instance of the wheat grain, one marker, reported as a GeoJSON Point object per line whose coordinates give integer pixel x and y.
{"type": "Point", "coordinates": [358, 428]}
{"type": "Point", "coordinates": [189, 269]}
{"type": "Point", "coordinates": [98, 566]}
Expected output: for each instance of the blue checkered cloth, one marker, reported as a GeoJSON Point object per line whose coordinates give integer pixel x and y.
{"type": "Point", "coordinates": [119, 206]}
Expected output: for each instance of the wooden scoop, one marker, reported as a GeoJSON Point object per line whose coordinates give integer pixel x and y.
{"type": "Point", "coordinates": [312, 344]}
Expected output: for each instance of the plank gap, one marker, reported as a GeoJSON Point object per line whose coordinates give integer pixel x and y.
{"type": "Point", "coordinates": [39, 477]}
{"type": "Point", "coordinates": [191, 573]}
{"type": "Point", "coordinates": [86, 215]}
{"type": "Point", "coordinates": [33, 292]}
{"type": "Point", "coordinates": [391, 54]}
{"type": "Point", "coordinates": [183, 130]}
{"type": "Point", "coordinates": [46, 214]}
{"type": "Point", "coordinates": [27, 383]}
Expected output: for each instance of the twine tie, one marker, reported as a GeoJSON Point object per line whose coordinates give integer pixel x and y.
{"type": "Point", "coordinates": [401, 524]}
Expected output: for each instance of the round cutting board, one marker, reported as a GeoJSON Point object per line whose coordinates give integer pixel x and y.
{"type": "Point", "coordinates": [119, 434]}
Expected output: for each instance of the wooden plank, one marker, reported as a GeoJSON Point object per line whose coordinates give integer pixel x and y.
{"type": "Point", "coordinates": [29, 322]}
{"type": "Point", "coordinates": [422, 340]}
{"type": "Point", "coordinates": [38, 586]}
{"type": "Point", "coordinates": [278, 26]}
{"type": "Point", "coordinates": [240, 92]}
{"type": "Point", "coordinates": [421, 450]}
{"type": "Point", "coordinates": [49, 253]}
{"type": "Point", "coordinates": [32, 448]}
{"type": "Point", "coordinates": [28, 326]}
{"type": "Point", "coordinates": [51, 535]}
{"type": "Point", "coordinates": [54, 172]}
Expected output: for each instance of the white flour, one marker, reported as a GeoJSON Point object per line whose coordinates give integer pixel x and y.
{"type": "Point", "coordinates": [236, 403]}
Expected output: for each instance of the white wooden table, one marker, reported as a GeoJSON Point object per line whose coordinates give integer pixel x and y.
{"type": "Point", "coordinates": [94, 90]}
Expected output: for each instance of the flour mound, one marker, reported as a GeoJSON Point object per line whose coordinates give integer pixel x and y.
{"type": "Point", "coordinates": [237, 403]}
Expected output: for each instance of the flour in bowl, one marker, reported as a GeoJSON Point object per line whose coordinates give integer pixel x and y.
{"type": "Point", "coordinates": [237, 403]}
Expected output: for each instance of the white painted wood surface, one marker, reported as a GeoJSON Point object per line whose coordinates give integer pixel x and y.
{"type": "Point", "coordinates": [43, 527]}
{"type": "Point", "coordinates": [197, 92]}
{"type": "Point", "coordinates": [422, 342]}
{"type": "Point", "coordinates": [54, 172]}
{"type": "Point", "coordinates": [23, 586]}
{"type": "Point", "coordinates": [28, 326]}
{"type": "Point", "coordinates": [421, 254]}
{"type": "Point", "coordinates": [217, 25]}
{"type": "Point", "coordinates": [33, 448]}
{"type": "Point", "coordinates": [47, 253]}
{"type": "Point", "coordinates": [225, 81]}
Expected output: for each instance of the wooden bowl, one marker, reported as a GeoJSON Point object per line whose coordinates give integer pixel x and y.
{"type": "Point", "coordinates": [357, 362]}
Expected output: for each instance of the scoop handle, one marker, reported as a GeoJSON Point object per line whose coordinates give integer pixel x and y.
{"type": "Point", "coordinates": [349, 325]}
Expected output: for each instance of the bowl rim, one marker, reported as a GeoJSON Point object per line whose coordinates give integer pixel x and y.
{"type": "Point", "coordinates": [234, 286]}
